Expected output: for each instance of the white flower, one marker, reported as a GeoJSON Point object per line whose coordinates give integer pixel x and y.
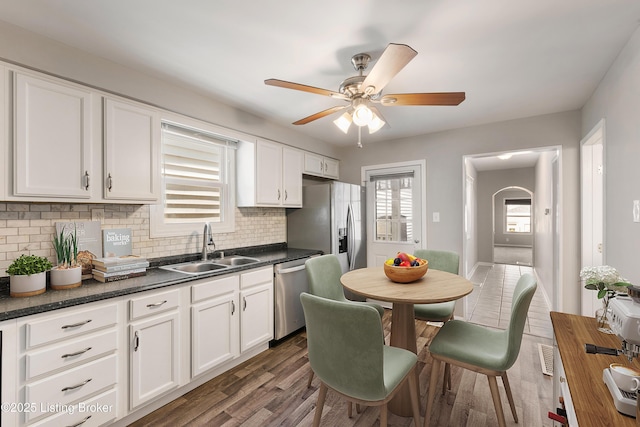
{"type": "Point", "coordinates": [603, 278]}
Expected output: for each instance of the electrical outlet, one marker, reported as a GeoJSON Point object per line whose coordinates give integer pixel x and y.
{"type": "Point", "coordinates": [436, 217]}
{"type": "Point", "coordinates": [636, 211]}
{"type": "Point", "coordinates": [97, 215]}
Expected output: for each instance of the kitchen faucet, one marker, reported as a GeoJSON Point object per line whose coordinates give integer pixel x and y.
{"type": "Point", "coordinates": [207, 240]}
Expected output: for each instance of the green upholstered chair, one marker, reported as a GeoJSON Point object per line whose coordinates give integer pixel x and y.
{"type": "Point", "coordinates": [347, 353]}
{"type": "Point", "coordinates": [484, 350]}
{"type": "Point", "coordinates": [323, 275]}
{"type": "Point", "coordinates": [443, 311]}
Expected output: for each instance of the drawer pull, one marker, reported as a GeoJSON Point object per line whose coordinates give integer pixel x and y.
{"type": "Point", "coordinates": [75, 325]}
{"type": "Point", "coordinates": [156, 304]}
{"type": "Point", "coordinates": [81, 422]}
{"type": "Point", "coordinates": [73, 387]}
{"type": "Point", "coordinates": [77, 353]}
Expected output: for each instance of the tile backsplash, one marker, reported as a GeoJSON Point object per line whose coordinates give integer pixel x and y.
{"type": "Point", "coordinates": [28, 228]}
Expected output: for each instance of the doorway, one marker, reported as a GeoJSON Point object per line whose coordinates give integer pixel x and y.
{"type": "Point", "coordinates": [512, 226]}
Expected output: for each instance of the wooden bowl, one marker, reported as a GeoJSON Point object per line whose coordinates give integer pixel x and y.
{"type": "Point", "coordinates": [406, 274]}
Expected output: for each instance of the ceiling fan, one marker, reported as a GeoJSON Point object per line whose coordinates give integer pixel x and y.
{"type": "Point", "coordinates": [362, 92]}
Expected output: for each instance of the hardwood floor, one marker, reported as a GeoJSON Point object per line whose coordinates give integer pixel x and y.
{"type": "Point", "coordinates": [271, 390]}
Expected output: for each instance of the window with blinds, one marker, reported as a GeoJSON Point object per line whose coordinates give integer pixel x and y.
{"type": "Point", "coordinates": [393, 207]}
{"type": "Point", "coordinates": [517, 214]}
{"type": "Point", "coordinates": [197, 187]}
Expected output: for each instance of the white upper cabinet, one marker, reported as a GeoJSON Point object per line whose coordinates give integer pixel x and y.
{"type": "Point", "coordinates": [131, 151]}
{"type": "Point", "coordinates": [52, 141]}
{"type": "Point", "coordinates": [317, 165]}
{"type": "Point", "coordinates": [269, 175]}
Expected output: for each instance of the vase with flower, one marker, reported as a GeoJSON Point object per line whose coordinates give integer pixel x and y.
{"type": "Point", "coordinates": [608, 282]}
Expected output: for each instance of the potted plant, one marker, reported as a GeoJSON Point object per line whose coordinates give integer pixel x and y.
{"type": "Point", "coordinates": [28, 275]}
{"type": "Point", "coordinates": [68, 273]}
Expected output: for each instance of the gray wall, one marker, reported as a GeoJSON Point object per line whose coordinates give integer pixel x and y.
{"type": "Point", "coordinates": [444, 153]}
{"type": "Point", "coordinates": [33, 51]}
{"type": "Point", "coordinates": [488, 183]}
{"type": "Point", "coordinates": [617, 99]}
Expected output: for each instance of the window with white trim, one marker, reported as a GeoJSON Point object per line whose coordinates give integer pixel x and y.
{"type": "Point", "coordinates": [197, 182]}
{"type": "Point", "coordinates": [393, 207]}
{"type": "Point", "coordinates": [517, 214]}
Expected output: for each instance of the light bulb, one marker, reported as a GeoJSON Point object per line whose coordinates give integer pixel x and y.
{"type": "Point", "coordinates": [375, 124]}
{"type": "Point", "coordinates": [362, 115]}
{"type": "Point", "coordinates": [343, 122]}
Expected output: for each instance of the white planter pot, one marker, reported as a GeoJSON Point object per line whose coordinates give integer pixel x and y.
{"type": "Point", "coordinates": [66, 278]}
{"type": "Point", "coordinates": [28, 285]}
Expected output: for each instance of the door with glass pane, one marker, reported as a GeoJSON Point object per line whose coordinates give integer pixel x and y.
{"type": "Point", "coordinates": [395, 211]}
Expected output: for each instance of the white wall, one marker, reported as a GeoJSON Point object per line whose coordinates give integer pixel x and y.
{"type": "Point", "coordinates": [617, 99]}
{"type": "Point", "coordinates": [444, 152]}
{"type": "Point", "coordinates": [543, 226]}
{"type": "Point", "coordinates": [43, 54]}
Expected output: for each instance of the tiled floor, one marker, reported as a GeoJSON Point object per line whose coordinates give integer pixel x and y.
{"type": "Point", "coordinates": [490, 302]}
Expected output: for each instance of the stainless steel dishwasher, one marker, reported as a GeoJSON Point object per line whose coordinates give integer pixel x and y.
{"type": "Point", "coordinates": [290, 282]}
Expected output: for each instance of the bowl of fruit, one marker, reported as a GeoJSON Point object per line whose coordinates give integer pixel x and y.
{"type": "Point", "coordinates": [405, 268]}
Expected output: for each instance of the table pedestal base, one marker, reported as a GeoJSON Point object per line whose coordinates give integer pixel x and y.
{"type": "Point", "coordinates": [403, 335]}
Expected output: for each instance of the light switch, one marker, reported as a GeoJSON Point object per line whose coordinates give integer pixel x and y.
{"type": "Point", "coordinates": [436, 217]}
{"type": "Point", "coordinates": [636, 211]}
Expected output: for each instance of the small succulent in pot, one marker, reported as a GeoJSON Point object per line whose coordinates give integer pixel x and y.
{"type": "Point", "coordinates": [27, 265]}
{"type": "Point", "coordinates": [28, 275]}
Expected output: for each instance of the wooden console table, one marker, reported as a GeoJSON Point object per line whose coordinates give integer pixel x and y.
{"type": "Point", "coordinates": [592, 402]}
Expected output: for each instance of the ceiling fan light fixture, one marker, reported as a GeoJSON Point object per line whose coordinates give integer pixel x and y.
{"type": "Point", "coordinates": [375, 124]}
{"type": "Point", "coordinates": [343, 122]}
{"type": "Point", "coordinates": [362, 115]}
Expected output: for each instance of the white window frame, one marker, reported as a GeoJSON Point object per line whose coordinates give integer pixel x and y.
{"type": "Point", "coordinates": [504, 205]}
{"type": "Point", "coordinates": [157, 226]}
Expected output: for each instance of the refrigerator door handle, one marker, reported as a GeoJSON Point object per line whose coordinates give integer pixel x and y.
{"type": "Point", "coordinates": [350, 237]}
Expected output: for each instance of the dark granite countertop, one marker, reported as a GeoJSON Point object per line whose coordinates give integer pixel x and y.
{"type": "Point", "coordinates": [92, 290]}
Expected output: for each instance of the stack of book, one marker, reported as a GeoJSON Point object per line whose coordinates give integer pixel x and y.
{"type": "Point", "coordinates": [119, 268]}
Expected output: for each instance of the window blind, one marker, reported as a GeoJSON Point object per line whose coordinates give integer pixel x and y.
{"type": "Point", "coordinates": [194, 172]}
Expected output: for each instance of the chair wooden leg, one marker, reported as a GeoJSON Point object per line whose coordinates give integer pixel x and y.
{"type": "Point", "coordinates": [310, 378]}
{"type": "Point", "coordinates": [383, 415]}
{"type": "Point", "coordinates": [433, 381]}
{"type": "Point", "coordinates": [349, 409]}
{"type": "Point", "coordinates": [319, 404]}
{"type": "Point", "coordinates": [415, 393]}
{"type": "Point", "coordinates": [507, 388]}
{"type": "Point", "coordinates": [495, 394]}
{"type": "Point", "coordinates": [446, 381]}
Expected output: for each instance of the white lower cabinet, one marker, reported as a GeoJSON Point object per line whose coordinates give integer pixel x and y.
{"type": "Point", "coordinates": [154, 345]}
{"type": "Point", "coordinates": [65, 360]}
{"type": "Point", "coordinates": [256, 298]}
{"type": "Point", "coordinates": [214, 323]}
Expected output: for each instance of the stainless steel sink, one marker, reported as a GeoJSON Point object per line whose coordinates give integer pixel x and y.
{"type": "Point", "coordinates": [196, 267]}
{"type": "Point", "coordinates": [234, 261]}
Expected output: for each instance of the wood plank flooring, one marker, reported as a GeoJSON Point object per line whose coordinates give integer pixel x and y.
{"type": "Point", "coordinates": [271, 390]}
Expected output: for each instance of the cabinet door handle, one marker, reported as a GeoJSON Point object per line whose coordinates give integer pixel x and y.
{"type": "Point", "coordinates": [286, 196]}
{"type": "Point", "coordinates": [109, 182]}
{"type": "Point", "coordinates": [156, 304]}
{"type": "Point", "coordinates": [73, 387]}
{"type": "Point", "coordinates": [81, 422]}
{"type": "Point", "coordinates": [244, 302]}
{"type": "Point", "coordinates": [86, 180]}
{"type": "Point", "coordinates": [75, 325]}
{"type": "Point", "coordinates": [324, 166]}
{"type": "Point", "coordinates": [278, 194]}
{"type": "Point", "coordinates": [233, 307]}
{"type": "Point", "coordinates": [77, 353]}
{"type": "Point", "coordinates": [136, 341]}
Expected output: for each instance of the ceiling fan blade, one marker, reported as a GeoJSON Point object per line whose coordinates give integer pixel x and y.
{"type": "Point", "coordinates": [441, 98]}
{"type": "Point", "coordinates": [319, 115]}
{"type": "Point", "coordinates": [393, 59]}
{"type": "Point", "coordinates": [304, 88]}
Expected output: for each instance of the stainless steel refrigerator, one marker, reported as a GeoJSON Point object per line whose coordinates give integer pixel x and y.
{"type": "Point", "coordinates": [331, 220]}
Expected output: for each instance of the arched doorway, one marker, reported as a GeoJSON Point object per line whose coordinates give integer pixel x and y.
{"type": "Point", "coordinates": [513, 226]}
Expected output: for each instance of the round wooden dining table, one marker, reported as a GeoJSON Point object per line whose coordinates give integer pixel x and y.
{"type": "Point", "coordinates": [435, 286]}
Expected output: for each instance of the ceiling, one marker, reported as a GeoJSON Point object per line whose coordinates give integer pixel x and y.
{"type": "Point", "coordinates": [513, 59]}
